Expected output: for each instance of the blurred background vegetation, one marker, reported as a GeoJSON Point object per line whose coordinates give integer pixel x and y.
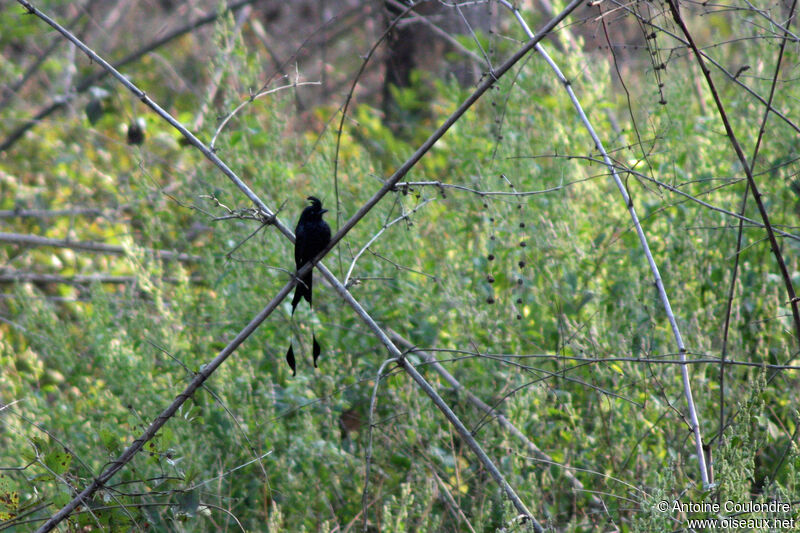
{"type": "Point", "coordinates": [540, 304]}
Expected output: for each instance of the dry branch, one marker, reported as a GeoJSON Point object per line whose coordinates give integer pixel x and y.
{"type": "Point", "coordinates": [51, 213]}
{"type": "Point", "coordinates": [35, 240]}
{"type": "Point", "coordinates": [14, 276]}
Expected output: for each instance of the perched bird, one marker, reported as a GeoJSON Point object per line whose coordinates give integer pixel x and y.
{"type": "Point", "coordinates": [312, 235]}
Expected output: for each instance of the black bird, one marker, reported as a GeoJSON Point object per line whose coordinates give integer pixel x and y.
{"type": "Point", "coordinates": [311, 235]}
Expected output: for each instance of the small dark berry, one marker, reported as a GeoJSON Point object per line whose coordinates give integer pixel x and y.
{"type": "Point", "coordinates": [491, 257]}
{"type": "Point", "coordinates": [490, 279]}
{"type": "Point", "coordinates": [489, 300]}
{"type": "Point", "coordinates": [522, 244]}
{"type": "Point", "coordinates": [521, 264]}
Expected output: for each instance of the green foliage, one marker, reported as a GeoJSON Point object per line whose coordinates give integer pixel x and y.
{"type": "Point", "coordinates": [540, 302]}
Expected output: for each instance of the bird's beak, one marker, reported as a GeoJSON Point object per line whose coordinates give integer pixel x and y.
{"type": "Point", "coordinates": [323, 211]}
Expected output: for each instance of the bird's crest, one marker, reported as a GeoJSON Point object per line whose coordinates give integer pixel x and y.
{"type": "Point", "coordinates": [315, 202]}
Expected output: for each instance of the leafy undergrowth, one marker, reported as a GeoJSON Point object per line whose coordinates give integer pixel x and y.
{"type": "Point", "coordinates": [542, 305]}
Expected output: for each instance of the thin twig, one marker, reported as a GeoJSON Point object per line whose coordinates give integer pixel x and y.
{"type": "Point", "coordinates": [374, 238]}
{"type": "Point", "coordinates": [346, 105]}
{"type": "Point", "coordinates": [227, 410]}
{"type": "Point", "coordinates": [452, 505]}
{"type": "Point", "coordinates": [705, 359]}
{"type": "Point", "coordinates": [250, 100]}
{"type": "Point", "coordinates": [417, 18]}
{"type": "Point", "coordinates": [785, 30]}
{"type": "Point", "coordinates": [405, 185]}
{"type": "Point", "coordinates": [688, 196]}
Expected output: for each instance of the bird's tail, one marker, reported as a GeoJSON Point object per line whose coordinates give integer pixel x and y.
{"type": "Point", "coordinates": [290, 359]}
{"type": "Point", "coordinates": [302, 290]}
